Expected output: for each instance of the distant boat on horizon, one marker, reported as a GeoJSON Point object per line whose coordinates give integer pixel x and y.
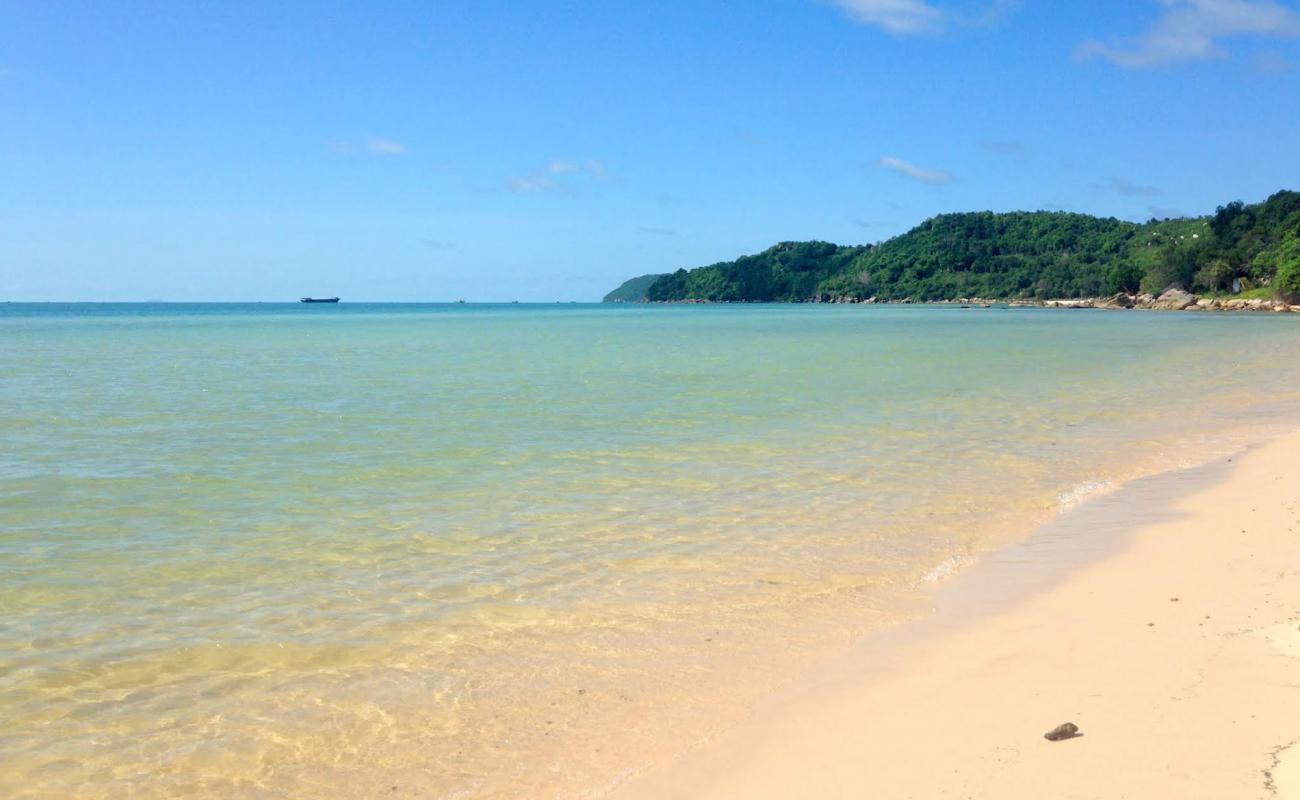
{"type": "Point", "coordinates": [318, 300]}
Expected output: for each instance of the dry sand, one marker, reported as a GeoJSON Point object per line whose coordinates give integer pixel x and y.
{"type": "Point", "coordinates": [1163, 619]}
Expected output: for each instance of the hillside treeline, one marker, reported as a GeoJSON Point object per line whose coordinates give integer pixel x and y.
{"type": "Point", "coordinates": [1041, 254]}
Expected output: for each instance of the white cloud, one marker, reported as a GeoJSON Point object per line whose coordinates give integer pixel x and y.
{"type": "Point", "coordinates": [552, 177]}
{"type": "Point", "coordinates": [378, 145]}
{"type": "Point", "coordinates": [895, 16]}
{"type": "Point", "coordinates": [385, 147]}
{"type": "Point", "coordinates": [910, 170]}
{"type": "Point", "coordinates": [911, 17]}
{"type": "Point", "coordinates": [996, 13]}
{"type": "Point", "coordinates": [1190, 30]}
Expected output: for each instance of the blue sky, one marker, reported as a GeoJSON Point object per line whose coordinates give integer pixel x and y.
{"type": "Point", "coordinates": [545, 150]}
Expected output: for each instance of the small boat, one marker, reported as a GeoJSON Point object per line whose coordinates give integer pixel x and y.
{"type": "Point", "coordinates": [318, 300]}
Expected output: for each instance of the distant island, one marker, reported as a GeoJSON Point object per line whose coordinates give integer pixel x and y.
{"type": "Point", "coordinates": [1243, 250]}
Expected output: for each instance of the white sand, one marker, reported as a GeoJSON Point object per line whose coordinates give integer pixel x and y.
{"type": "Point", "coordinates": [1197, 697]}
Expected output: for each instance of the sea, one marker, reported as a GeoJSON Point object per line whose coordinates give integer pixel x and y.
{"type": "Point", "coordinates": [503, 551]}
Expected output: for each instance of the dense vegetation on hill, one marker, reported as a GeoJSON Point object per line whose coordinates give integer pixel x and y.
{"type": "Point", "coordinates": [1020, 255]}
{"type": "Point", "coordinates": [788, 272]}
{"type": "Point", "coordinates": [632, 290]}
{"type": "Point", "coordinates": [996, 255]}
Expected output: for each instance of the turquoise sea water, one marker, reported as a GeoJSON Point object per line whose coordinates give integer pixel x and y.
{"type": "Point", "coordinates": [496, 551]}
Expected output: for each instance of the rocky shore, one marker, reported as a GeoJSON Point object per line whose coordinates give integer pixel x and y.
{"type": "Point", "coordinates": [1175, 300]}
{"type": "Point", "coordinates": [1169, 300]}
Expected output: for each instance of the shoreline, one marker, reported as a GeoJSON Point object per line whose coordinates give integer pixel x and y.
{"type": "Point", "coordinates": [1170, 300]}
{"type": "Point", "coordinates": [1186, 697]}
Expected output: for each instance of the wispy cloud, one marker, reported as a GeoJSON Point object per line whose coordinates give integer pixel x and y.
{"type": "Point", "coordinates": [651, 230]}
{"type": "Point", "coordinates": [996, 12]}
{"type": "Point", "coordinates": [866, 223]}
{"type": "Point", "coordinates": [561, 166]}
{"type": "Point", "coordinates": [436, 244]}
{"type": "Point", "coordinates": [895, 16]}
{"type": "Point", "coordinates": [556, 175]}
{"type": "Point", "coordinates": [912, 17]}
{"type": "Point", "coordinates": [1130, 189]}
{"type": "Point", "coordinates": [376, 145]}
{"type": "Point", "coordinates": [526, 184]}
{"type": "Point", "coordinates": [1164, 212]}
{"type": "Point", "coordinates": [1190, 30]}
{"type": "Point", "coordinates": [385, 147]}
{"type": "Point", "coordinates": [908, 169]}
{"type": "Point", "coordinates": [1004, 147]}
{"type": "Point", "coordinates": [1271, 62]}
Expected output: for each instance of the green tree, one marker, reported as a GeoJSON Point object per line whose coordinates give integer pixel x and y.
{"type": "Point", "coordinates": [1286, 259]}
{"type": "Point", "coordinates": [1216, 275]}
{"type": "Point", "coordinates": [1011, 255]}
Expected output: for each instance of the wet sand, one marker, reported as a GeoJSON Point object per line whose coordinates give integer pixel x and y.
{"type": "Point", "coordinates": [1163, 619]}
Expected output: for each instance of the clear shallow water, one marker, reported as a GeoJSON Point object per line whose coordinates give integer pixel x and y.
{"type": "Point", "coordinates": [258, 550]}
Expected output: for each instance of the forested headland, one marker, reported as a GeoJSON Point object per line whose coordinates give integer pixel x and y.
{"type": "Point", "coordinates": [632, 290]}
{"type": "Point", "coordinates": [1017, 255]}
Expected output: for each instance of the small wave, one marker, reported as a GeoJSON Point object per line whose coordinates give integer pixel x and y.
{"type": "Point", "coordinates": [946, 568]}
{"type": "Point", "coordinates": [1082, 492]}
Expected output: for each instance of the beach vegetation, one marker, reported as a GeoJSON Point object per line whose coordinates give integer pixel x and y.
{"type": "Point", "coordinates": [1286, 257]}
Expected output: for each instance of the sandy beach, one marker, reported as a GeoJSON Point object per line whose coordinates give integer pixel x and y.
{"type": "Point", "coordinates": [599, 401]}
{"type": "Point", "coordinates": [1163, 619]}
